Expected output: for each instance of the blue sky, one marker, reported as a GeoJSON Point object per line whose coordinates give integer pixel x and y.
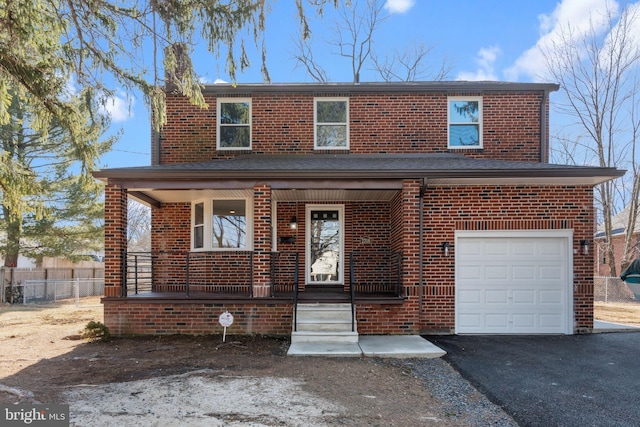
{"type": "Point", "coordinates": [481, 39]}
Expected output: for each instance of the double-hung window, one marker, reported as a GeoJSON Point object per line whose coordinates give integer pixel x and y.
{"type": "Point", "coordinates": [234, 124]}
{"type": "Point", "coordinates": [219, 224]}
{"type": "Point", "coordinates": [465, 122]}
{"type": "Point", "coordinates": [331, 123]}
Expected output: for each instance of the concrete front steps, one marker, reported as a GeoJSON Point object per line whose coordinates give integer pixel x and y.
{"type": "Point", "coordinates": [324, 323]}
{"type": "Point", "coordinates": [325, 330]}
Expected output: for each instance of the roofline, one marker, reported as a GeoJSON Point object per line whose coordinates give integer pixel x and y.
{"type": "Point", "coordinates": [590, 175]}
{"type": "Point", "coordinates": [429, 86]}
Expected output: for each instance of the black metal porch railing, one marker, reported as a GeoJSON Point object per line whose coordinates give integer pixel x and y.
{"type": "Point", "coordinates": [219, 272]}
{"type": "Point", "coordinates": [231, 273]}
{"type": "Point", "coordinates": [137, 273]}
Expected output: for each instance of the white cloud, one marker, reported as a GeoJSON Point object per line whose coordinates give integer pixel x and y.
{"type": "Point", "coordinates": [579, 15]}
{"type": "Point", "coordinates": [486, 59]}
{"type": "Point", "coordinates": [399, 6]}
{"type": "Point", "coordinates": [119, 107]}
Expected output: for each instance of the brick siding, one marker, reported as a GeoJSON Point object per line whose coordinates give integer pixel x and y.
{"type": "Point", "coordinates": [378, 123]}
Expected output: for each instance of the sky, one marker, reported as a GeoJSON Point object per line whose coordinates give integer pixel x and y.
{"type": "Point", "coordinates": [480, 39]}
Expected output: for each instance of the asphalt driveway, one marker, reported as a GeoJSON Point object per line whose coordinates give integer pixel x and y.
{"type": "Point", "coordinates": [579, 380]}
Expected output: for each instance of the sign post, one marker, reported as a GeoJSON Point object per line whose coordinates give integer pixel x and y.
{"type": "Point", "coordinates": [226, 320]}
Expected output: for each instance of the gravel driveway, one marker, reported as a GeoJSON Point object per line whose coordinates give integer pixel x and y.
{"type": "Point", "coordinates": [579, 380]}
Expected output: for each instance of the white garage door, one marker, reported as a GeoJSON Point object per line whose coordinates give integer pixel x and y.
{"type": "Point", "coordinates": [513, 282]}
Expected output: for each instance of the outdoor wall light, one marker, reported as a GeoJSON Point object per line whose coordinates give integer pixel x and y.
{"type": "Point", "coordinates": [584, 244]}
{"type": "Point", "coordinates": [293, 224]}
{"type": "Point", "coordinates": [445, 248]}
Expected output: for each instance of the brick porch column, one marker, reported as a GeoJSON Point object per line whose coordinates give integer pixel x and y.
{"type": "Point", "coordinates": [411, 252]}
{"type": "Point", "coordinates": [115, 238]}
{"type": "Point", "coordinates": [261, 240]}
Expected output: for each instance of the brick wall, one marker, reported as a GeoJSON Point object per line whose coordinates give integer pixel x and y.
{"type": "Point", "coordinates": [379, 123]}
{"type": "Point", "coordinates": [188, 317]}
{"type": "Point", "coordinates": [502, 208]}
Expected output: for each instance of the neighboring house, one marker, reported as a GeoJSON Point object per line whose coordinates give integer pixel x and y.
{"type": "Point", "coordinates": [619, 226]}
{"type": "Point", "coordinates": [431, 205]}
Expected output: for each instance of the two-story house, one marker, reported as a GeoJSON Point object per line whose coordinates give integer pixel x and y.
{"type": "Point", "coordinates": [426, 207]}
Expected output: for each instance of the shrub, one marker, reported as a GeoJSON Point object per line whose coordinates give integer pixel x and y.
{"type": "Point", "coordinates": [96, 331]}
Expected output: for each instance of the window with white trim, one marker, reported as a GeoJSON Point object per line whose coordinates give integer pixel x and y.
{"type": "Point", "coordinates": [465, 122]}
{"type": "Point", "coordinates": [220, 224]}
{"type": "Point", "coordinates": [331, 123]}
{"type": "Point", "coordinates": [233, 124]}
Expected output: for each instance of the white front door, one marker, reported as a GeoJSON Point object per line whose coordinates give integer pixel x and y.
{"type": "Point", "coordinates": [325, 244]}
{"type": "Point", "coordinates": [513, 282]}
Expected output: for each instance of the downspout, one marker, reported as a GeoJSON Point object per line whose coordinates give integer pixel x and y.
{"type": "Point", "coordinates": [423, 189]}
{"type": "Point", "coordinates": [544, 148]}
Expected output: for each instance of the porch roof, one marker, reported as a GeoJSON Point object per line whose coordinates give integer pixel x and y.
{"type": "Point", "coordinates": [435, 169]}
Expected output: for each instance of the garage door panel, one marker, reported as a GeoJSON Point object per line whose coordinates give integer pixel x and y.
{"type": "Point", "coordinates": [470, 297]}
{"type": "Point", "coordinates": [551, 247]}
{"type": "Point", "coordinates": [495, 248]}
{"type": "Point", "coordinates": [551, 272]}
{"type": "Point", "coordinates": [522, 247]}
{"type": "Point", "coordinates": [524, 321]}
{"type": "Point", "coordinates": [512, 284]}
{"type": "Point", "coordinates": [496, 321]}
{"type": "Point", "coordinates": [471, 249]}
{"type": "Point", "coordinates": [551, 296]}
{"type": "Point", "coordinates": [524, 297]}
{"type": "Point", "coordinates": [523, 272]}
{"type": "Point", "coordinates": [470, 272]}
{"type": "Point", "coordinates": [496, 272]}
{"type": "Point", "coordinates": [496, 296]}
{"type": "Point", "coordinates": [470, 321]}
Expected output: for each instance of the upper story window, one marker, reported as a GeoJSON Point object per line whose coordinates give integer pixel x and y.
{"type": "Point", "coordinates": [331, 123]}
{"type": "Point", "coordinates": [220, 224]}
{"type": "Point", "coordinates": [465, 122]}
{"type": "Point", "coordinates": [234, 124]}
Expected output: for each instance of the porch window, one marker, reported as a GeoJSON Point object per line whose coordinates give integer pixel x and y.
{"type": "Point", "coordinates": [331, 123]}
{"type": "Point", "coordinates": [221, 224]}
{"type": "Point", "coordinates": [234, 124]}
{"type": "Point", "coordinates": [465, 122]}
{"type": "Point", "coordinates": [198, 226]}
{"type": "Point", "coordinates": [229, 224]}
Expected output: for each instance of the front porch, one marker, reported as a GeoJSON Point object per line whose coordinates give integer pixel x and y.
{"type": "Point", "coordinates": [229, 276]}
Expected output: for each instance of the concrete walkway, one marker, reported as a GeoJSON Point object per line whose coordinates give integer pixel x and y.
{"type": "Point", "coordinates": [392, 346]}
{"type": "Point", "coordinates": [602, 326]}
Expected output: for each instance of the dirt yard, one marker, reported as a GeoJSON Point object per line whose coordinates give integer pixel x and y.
{"type": "Point", "coordinates": [627, 313]}
{"type": "Point", "coordinates": [201, 381]}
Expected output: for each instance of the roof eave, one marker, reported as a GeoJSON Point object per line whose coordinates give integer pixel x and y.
{"type": "Point", "coordinates": [583, 176]}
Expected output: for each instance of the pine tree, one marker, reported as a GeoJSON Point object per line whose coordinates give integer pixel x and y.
{"type": "Point", "coordinates": [51, 206]}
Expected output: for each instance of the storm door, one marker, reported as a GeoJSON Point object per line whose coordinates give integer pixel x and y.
{"type": "Point", "coordinates": [325, 243]}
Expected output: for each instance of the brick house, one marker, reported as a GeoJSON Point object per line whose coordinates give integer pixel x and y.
{"type": "Point", "coordinates": [426, 207]}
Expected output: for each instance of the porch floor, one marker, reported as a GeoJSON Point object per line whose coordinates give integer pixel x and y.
{"type": "Point", "coordinates": [391, 346]}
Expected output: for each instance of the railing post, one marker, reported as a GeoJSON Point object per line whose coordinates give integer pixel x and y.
{"type": "Point", "coordinates": [295, 294]}
{"type": "Point", "coordinates": [251, 274]}
{"type": "Point", "coordinates": [187, 275]}
{"type": "Point", "coordinates": [135, 276]}
{"type": "Point", "coordinates": [123, 273]}
{"type": "Point", "coordinates": [399, 273]}
{"type": "Point", "coordinates": [352, 292]}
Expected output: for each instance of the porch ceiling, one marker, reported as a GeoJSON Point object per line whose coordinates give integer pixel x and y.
{"type": "Point", "coordinates": [302, 195]}
{"type": "Point", "coordinates": [333, 195]}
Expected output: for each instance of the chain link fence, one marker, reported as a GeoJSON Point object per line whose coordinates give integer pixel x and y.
{"type": "Point", "coordinates": [613, 289]}
{"type": "Point", "coordinates": [43, 291]}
